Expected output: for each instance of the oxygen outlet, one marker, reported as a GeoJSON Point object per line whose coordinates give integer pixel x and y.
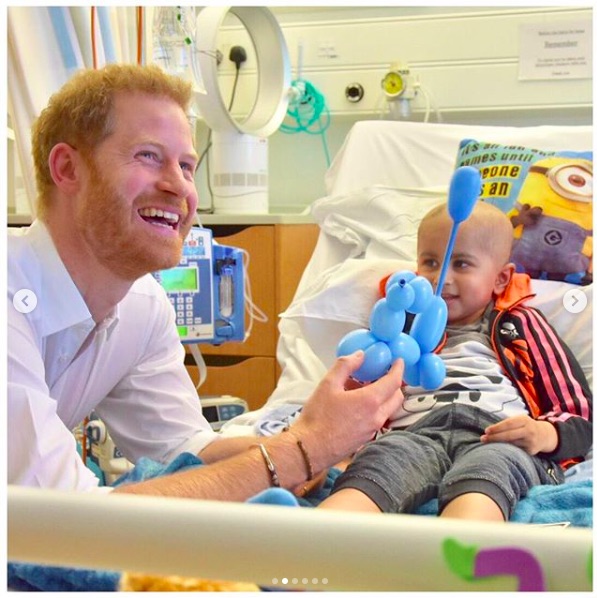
{"type": "Point", "coordinates": [354, 92]}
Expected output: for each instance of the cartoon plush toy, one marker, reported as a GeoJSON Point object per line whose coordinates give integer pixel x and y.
{"type": "Point", "coordinates": [553, 220]}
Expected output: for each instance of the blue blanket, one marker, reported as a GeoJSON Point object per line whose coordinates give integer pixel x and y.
{"type": "Point", "coordinates": [572, 501]}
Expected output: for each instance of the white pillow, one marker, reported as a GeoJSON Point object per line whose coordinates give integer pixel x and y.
{"type": "Point", "coordinates": [412, 154]}
{"type": "Point", "coordinates": [346, 292]}
{"type": "Point", "coordinates": [377, 222]}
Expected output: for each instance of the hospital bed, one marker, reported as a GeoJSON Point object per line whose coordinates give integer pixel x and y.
{"type": "Point", "coordinates": [384, 178]}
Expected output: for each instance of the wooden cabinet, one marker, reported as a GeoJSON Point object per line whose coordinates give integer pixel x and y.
{"type": "Point", "coordinates": [278, 254]}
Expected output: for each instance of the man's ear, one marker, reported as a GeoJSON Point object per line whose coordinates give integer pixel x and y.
{"type": "Point", "coordinates": [65, 167]}
{"type": "Point", "coordinates": [502, 280]}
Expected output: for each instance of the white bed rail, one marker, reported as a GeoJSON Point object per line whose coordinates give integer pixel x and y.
{"type": "Point", "coordinates": [292, 547]}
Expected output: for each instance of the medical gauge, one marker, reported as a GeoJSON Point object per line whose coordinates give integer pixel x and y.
{"type": "Point", "coordinates": [399, 88]}
{"type": "Point", "coordinates": [393, 84]}
{"type": "Point", "coordinates": [206, 290]}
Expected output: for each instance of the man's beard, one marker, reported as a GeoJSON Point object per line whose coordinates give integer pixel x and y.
{"type": "Point", "coordinates": [105, 223]}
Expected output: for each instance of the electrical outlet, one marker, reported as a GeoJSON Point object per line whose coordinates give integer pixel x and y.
{"type": "Point", "coordinates": [238, 55]}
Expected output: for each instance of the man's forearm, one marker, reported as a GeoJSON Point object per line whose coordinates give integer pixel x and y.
{"type": "Point", "coordinates": [333, 424]}
{"type": "Point", "coordinates": [235, 478]}
{"type": "Point", "coordinates": [222, 448]}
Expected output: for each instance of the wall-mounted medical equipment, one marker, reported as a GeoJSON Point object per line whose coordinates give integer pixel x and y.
{"type": "Point", "coordinates": [307, 110]}
{"type": "Point", "coordinates": [206, 290]}
{"type": "Point", "coordinates": [354, 92]}
{"type": "Point", "coordinates": [239, 151]}
{"type": "Point", "coordinates": [399, 89]}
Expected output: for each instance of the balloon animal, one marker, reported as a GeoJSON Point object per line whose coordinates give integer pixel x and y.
{"type": "Point", "coordinates": [385, 342]}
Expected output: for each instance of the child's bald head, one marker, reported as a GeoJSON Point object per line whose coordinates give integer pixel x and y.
{"type": "Point", "coordinates": [487, 224]}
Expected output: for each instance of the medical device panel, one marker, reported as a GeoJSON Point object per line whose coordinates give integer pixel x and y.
{"type": "Point", "coordinates": [218, 410]}
{"type": "Point", "coordinates": [206, 290]}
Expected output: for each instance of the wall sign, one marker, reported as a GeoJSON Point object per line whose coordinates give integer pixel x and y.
{"type": "Point", "coordinates": [558, 50]}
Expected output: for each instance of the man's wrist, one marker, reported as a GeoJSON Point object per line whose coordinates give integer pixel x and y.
{"type": "Point", "coordinates": [293, 465]}
{"type": "Point", "coordinates": [321, 451]}
{"type": "Point", "coordinates": [304, 452]}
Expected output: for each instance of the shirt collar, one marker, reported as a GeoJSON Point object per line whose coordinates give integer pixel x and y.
{"type": "Point", "coordinates": [63, 305]}
{"type": "Point", "coordinates": [110, 321]}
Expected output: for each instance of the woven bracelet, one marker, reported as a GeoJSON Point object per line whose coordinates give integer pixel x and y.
{"type": "Point", "coordinates": [304, 453]}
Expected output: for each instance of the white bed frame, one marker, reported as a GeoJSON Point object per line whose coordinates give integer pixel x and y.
{"type": "Point", "coordinates": [309, 548]}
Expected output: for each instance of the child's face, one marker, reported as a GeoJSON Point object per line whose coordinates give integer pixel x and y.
{"type": "Point", "coordinates": [473, 275]}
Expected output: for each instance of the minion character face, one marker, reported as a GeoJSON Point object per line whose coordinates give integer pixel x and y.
{"type": "Point", "coordinates": [568, 180]}
{"type": "Point", "coordinates": [553, 219]}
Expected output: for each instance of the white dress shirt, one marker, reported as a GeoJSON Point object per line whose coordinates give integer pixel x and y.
{"type": "Point", "coordinates": [61, 366]}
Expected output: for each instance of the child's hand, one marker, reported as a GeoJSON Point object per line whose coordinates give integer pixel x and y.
{"type": "Point", "coordinates": [532, 435]}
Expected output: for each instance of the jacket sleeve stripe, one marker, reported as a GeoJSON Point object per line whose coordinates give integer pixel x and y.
{"type": "Point", "coordinates": [576, 391]}
{"type": "Point", "coordinates": [538, 346]}
{"type": "Point", "coordinates": [554, 367]}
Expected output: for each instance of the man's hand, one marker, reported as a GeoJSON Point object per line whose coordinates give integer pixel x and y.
{"type": "Point", "coordinates": [335, 422]}
{"type": "Point", "coordinates": [532, 435]}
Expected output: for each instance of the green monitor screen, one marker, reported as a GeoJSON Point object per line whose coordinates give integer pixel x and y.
{"type": "Point", "coordinates": [180, 279]}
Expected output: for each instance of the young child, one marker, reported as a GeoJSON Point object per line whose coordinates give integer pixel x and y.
{"type": "Point", "coordinates": [513, 410]}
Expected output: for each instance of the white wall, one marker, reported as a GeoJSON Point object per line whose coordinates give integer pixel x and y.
{"type": "Point", "coordinates": [466, 57]}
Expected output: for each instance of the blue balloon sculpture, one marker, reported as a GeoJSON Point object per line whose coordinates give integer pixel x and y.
{"type": "Point", "coordinates": [385, 342]}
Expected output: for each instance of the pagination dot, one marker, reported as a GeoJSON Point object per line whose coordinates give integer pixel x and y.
{"type": "Point", "coordinates": [304, 580]}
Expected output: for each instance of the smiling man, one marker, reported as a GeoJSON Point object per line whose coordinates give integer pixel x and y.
{"type": "Point", "coordinates": [115, 164]}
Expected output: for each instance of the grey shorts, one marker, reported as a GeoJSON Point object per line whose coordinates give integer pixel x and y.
{"type": "Point", "coordinates": [441, 456]}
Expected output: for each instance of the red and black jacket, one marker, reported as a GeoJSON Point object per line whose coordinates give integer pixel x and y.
{"type": "Point", "coordinates": [543, 368]}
